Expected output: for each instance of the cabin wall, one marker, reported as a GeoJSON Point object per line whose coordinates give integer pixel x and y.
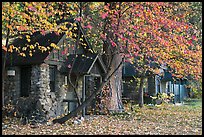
{"type": "Point", "coordinates": [163, 86]}
{"type": "Point", "coordinates": [12, 87]}
{"type": "Point", "coordinates": [178, 89]}
{"type": "Point", "coordinates": [41, 99]}
{"type": "Point", "coordinates": [129, 88]}
{"type": "Point", "coordinates": [70, 95]}
{"type": "Point", "coordinates": [151, 86]}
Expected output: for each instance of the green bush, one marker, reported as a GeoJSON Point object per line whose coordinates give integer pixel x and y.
{"type": "Point", "coordinates": [163, 97]}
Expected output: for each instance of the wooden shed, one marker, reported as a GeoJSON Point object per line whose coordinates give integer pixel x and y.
{"type": "Point", "coordinates": [87, 73]}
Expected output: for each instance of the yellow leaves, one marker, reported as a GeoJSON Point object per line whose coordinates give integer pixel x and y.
{"type": "Point", "coordinates": [17, 50]}
{"type": "Point", "coordinates": [24, 48]}
{"type": "Point", "coordinates": [28, 40]}
{"type": "Point", "coordinates": [27, 36]}
{"type": "Point", "coordinates": [84, 44]}
{"type": "Point", "coordinates": [42, 48]}
{"type": "Point", "coordinates": [145, 34]}
{"type": "Point", "coordinates": [71, 12]}
{"type": "Point", "coordinates": [22, 54]}
{"type": "Point", "coordinates": [10, 49]}
{"type": "Point", "coordinates": [81, 39]}
{"type": "Point", "coordinates": [69, 33]}
{"type": "Point", "coordinates": [75, 28]}
{"type": "Point", "coordinates": [36, 44]}
{"type": "Point", "coordinates": [31, 47]}
{"type": "Point", "coordinates": [90, 50]}
{"type": "Point", "coordinates": [74, 24]}
{"type": "Point", "coordinates": [54, 46]}
{"type": "Point", "coordinates": [75, 35]}
{"type": "Point", "coordinates": [25, 16]}
{"type": "Point", "coordinates": [30, 53]}
{"type": "Point", "coordinates": [63, 27]}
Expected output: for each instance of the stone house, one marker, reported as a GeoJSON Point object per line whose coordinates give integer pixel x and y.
{"type": "Point", "coordinates": [40, 83]}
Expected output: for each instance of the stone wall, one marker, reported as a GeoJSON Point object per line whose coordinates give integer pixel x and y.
{"type": "Point", "coordinates": [40, 101]}
{"type": "Point", "coordinates": [50, 103]}
{"type": "Point", "coordinates": [12, 87]}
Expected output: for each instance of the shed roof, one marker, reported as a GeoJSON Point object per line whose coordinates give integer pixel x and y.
{"type": "Point", "coordinates": [81, 64]}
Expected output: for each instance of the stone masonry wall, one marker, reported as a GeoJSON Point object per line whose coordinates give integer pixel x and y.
{"type": "Point", "coordinates": [47, 104]}
{"type": "Point", "coordinates": [12, 87]}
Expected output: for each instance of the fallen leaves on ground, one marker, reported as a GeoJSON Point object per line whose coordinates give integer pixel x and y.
{"type": "Point", "coordinates": [166, 119]}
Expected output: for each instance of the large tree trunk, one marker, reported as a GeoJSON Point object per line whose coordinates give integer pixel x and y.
{"type": "Point", "coordinates": [115, 85]}
{"type": "Point", "coordinates": [112, 54]}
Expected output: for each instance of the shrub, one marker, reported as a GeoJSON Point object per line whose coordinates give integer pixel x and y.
{"type": "Point", "coordinates": [162, 98]}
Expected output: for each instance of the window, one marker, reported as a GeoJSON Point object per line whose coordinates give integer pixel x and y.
{"type": "Point", "coordinates": [52, 70]}
{"type": "Point", "coordinates": [25, 81]}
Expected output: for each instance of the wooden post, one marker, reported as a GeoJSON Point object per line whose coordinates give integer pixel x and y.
{"type": "Point", "coordinates": [84, 94]}
{"type": "Point", "coordinates": [179, 91]}
{"type": "Point", "coordinates": [173, 89]}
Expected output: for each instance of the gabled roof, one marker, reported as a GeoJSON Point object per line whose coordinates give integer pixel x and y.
{"type": "Point", "coordinates": [38, 56]}
{"type": "Point", "coordinates": [81, 64]}
{"type": "Point", "coordinates": [43, 40]}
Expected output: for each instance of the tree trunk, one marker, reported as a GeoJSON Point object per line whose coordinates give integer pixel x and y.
{"type": "Point", "coordinates": [141, 99]}
{"type": "Point", "coordinates": [112, 54]}
{"type": "Point", "coordinates": [115, 85]}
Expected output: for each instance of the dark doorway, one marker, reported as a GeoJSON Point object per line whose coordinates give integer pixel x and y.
{"type": "Point", "coordinates": [25, 81]}
{"type": "Point", "coordinates": [91, 85]}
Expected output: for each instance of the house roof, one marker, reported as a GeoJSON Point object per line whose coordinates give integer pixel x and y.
{"type": "Point", "coordinates": [81, 64]}
{"type": "Point", "coordinates": [167, 76]}
{"type": "Point", "coordinates": [38, 56]}
{"type": "Point", "coordinates": [128, 70]}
